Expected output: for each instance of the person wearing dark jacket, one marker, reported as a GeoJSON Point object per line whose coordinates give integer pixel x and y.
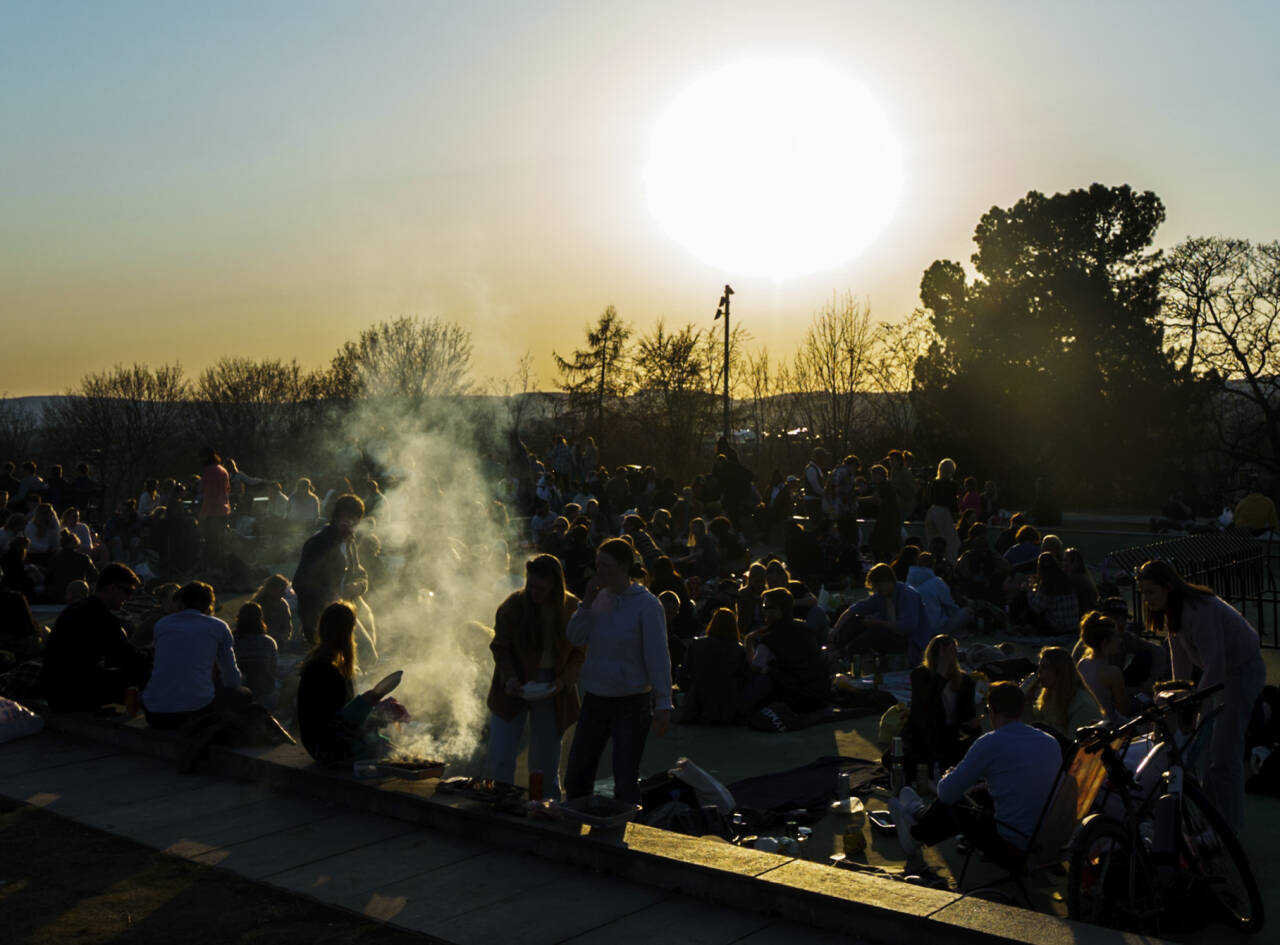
{"type": "Point", "coordinates": [714, 672]}
{"type": "Point", "coordinates": [529, 646]}
{"type": "Point", "coordinates": [88, 661]}
{"type": "Point", "coordinates": [943, 720]}
{"type": "Point", "coordinates": [329, 567]}
{"type": "Point", "coordinates": [788, 657]}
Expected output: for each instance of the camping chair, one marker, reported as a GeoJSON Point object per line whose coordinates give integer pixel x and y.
{"type": "Point", "coordinates": [1074, 790]}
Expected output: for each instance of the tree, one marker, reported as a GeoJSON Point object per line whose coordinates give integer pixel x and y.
{"type": "Point", "coordinates": [408, 361]}
{"type": "Point", "coordinates": [1221, 311]}
{"type": "Point", "coordinates": [1052, 358]}
{"type": "Point", "coordinates": [18, 425]}
{"type": "Point", "coordinates": [130, 421]}
{"type": "Point", "coordinates": [598, 374]}
{"type": "Point", "coordinates": [675, 408]}
{"type": "Point", "coordinates": [253, 410]}
{"type": "Point", "coordinates": [898, 348]}
{"type": "Point", "coordinates": [832, 372]}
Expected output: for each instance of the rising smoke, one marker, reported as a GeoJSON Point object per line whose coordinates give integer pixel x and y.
{"type": "Point", "coordinates": [445, 567]}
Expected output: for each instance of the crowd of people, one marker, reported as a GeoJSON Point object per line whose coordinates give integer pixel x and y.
{"type": "Point", "coordinates": [645, 602]}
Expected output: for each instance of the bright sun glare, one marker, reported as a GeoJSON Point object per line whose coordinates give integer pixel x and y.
{"type": "Point", "coordinates": [774, 167]}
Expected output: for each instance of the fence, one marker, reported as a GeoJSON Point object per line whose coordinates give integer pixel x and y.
{"type": "Point", "coordinates": [1240, 568]}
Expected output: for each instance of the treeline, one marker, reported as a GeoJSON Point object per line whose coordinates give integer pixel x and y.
{"type": "Point", "coordinates": [1069, 350]}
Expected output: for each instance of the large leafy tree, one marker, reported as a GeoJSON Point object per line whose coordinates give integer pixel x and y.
{"type": "Point", "coordinates": [1050, 362]}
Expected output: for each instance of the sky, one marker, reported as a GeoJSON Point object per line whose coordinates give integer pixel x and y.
{"type": "Point", "coordinates": [182, 182]}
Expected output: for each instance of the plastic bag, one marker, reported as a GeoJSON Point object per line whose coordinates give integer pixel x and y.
{"type": "Point", "coordinates": [17, 721]}
{"type": "Point", "coordinates": [710, 792]}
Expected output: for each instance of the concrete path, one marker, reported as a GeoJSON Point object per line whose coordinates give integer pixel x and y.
{"type": "Point", "coordinates": [387, 869]}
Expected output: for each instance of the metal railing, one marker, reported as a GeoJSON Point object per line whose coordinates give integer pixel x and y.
{"type": "Point", "coordinates": [1240, 569]}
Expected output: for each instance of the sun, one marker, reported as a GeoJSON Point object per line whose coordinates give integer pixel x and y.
{"type": "Point", "coordinates": [774, 167]}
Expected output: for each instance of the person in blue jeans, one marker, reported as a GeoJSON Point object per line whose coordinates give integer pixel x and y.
{"type": "Point", "coordinates": [529, 646]}
{"type": "Point", "coordinates": [626, 677]}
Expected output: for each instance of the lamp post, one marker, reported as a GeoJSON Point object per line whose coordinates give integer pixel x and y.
{"type": "Point", "coordinates": [723, 309]}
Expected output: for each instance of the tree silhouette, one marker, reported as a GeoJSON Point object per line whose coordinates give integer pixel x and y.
{"type": "Point", "coordinates": [598, 373]}
{"type": "Point", "coordinates": [1053, 355]}
{"type": "Point", "coordinates": [1222, 323]}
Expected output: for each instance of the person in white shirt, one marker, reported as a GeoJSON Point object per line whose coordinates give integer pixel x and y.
{"type": "Point", "coordinates": [626, 678]}
{"type": "Point", "coordinates": [1019, 765]}
{"type": "Point", "coordinates": [189, 646]}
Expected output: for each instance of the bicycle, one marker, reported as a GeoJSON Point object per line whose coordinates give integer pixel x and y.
{"type": "Point", "coordinates": [1170, 848]}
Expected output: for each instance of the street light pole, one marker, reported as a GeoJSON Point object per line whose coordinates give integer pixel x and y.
{"type": "Point", "coordinates": [724, 310]}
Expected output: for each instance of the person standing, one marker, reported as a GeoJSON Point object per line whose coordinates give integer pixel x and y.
{"type": "Point", "coordinates": [626, 677]}
{"type": "Point", "coordinates": [329, 566]}
{"type": "Point", "coordinates": [529, 646]}
{"type": "Point", "coordinates": [944, 509]}
{"type": "Point", "coordinates": [1207, 633]}
{"type": "Point", "coordinates": [215, 505]}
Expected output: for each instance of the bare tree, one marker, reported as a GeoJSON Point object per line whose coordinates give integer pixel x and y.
{"type": "Point", "coordinates": [18, 425]}
{"type": "Point", "coordinates": [897, 348]}
{"type": "Point", "coordinates": [831, 372]}
{"type": "Point", "coordinates": [127, 420]}
{"type": "Point", "coordinates": [1221, 305]}
{"type": "Point", "coordinates": [256, 410]}
{"type": "Point", "coordinates": [409, 361]}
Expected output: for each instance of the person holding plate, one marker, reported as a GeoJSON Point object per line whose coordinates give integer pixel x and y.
{"type": "Point", "coordinates": [535, 675]}
{"type": "Point", "coordinates": [334, 723]}
{"type": "Point", "coordinates": [626, 678]}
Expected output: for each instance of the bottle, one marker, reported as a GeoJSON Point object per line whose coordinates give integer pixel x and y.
{"type": "Point", "coordinates": [855, 668]}
{"type": "Point", "coordinates": [923, 787]}
{"type": "Point", "coordinates": [877, 677]}
{"type": "Point", "coordinates": [897, 774]}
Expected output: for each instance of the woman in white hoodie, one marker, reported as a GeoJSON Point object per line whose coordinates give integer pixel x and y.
{"type": "Point", "coordinates": [626, 678]}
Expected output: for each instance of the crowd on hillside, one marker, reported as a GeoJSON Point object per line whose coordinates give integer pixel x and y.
{"type": "Point", "coordinates": [645, 601]}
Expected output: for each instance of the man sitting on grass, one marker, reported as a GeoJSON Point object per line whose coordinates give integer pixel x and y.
{"type": "Point", "coordinates": [1019, 765]}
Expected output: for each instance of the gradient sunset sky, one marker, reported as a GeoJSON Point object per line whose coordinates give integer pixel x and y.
{"type": "Point", "coordinates": [180, 182]}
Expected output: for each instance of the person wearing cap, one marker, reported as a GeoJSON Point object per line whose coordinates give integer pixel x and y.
{"type": "Point", "coordinates": [88, 659]}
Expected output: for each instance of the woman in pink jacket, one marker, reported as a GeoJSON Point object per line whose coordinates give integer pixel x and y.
{"type": "Point", "coordinates": [1206, 632]}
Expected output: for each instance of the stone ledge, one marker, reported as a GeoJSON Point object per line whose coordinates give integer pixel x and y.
{"type": "Point", "coordinates": [877, 910]}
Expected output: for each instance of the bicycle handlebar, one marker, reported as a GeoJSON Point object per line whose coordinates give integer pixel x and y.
{"type": "Point", "coordinates": [1098, 732]}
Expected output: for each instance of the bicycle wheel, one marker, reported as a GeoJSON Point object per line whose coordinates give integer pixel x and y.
{"type": "Point", "coordinates": [1214, 854]}
{"type": "Point", "coordinates": [1110, 881]}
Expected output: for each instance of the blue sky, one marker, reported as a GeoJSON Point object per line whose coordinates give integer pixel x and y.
{"type": "Point", "coordinates": [184, 181]}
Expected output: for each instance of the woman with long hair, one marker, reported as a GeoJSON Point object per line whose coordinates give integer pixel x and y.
{"type": "Point", "coordinates": [1077, 569]}
{"type": "Point", "coordinates": [1207, 633]}
{"type": "Point", "coordinates": [626, 678]}
{"type": "Point", "coordinates": [45, 532]}
{"type": "Point", "coordinates": [944, 508]}
{"type": "Point", "coordinates": [332, 719]}
{"type": "Point", "coordinates": [1052, 599]}
{"type": "Point", "coordinates": [714, 671]}
{"type": "Point", "coordinates": [1097, 667]}
{"type": "Point", "coordinates": [535, 675]}
{"type": "Point", "coordinates": [943, 719]}
{"type": "Point", "coordinates": [1061, 699]}
{"type": "Point", "coordinates": [256, 654]}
